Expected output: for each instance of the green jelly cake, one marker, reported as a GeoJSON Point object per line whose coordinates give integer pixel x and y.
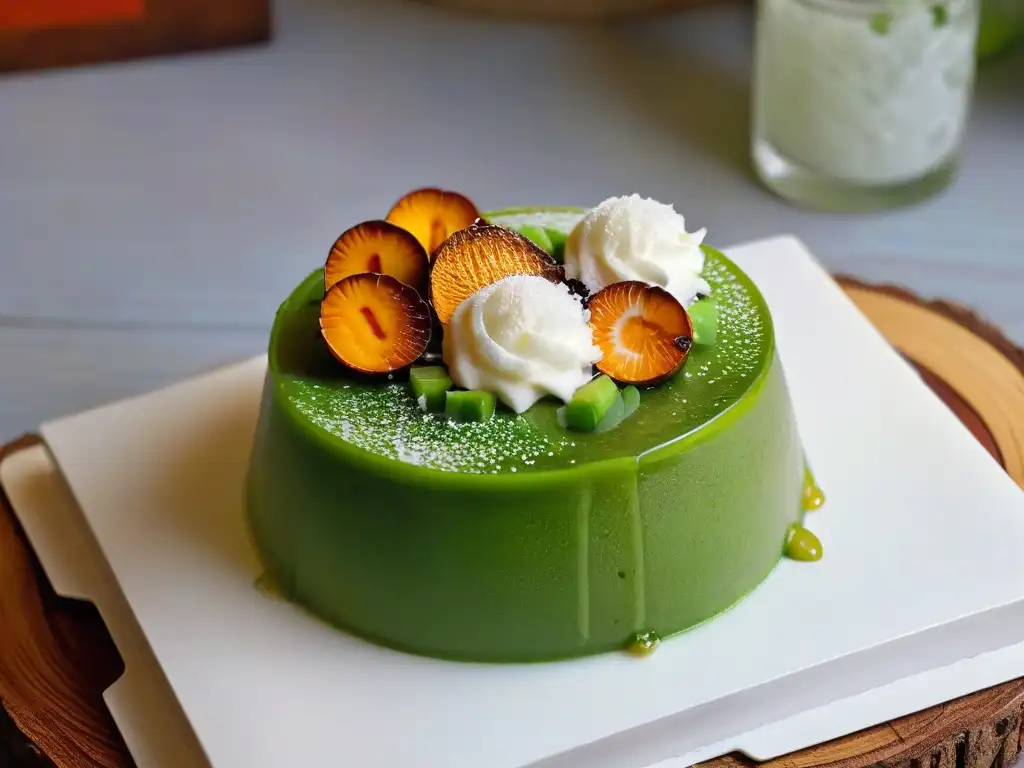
{"type": "Point", "coordinates": [478, 442]}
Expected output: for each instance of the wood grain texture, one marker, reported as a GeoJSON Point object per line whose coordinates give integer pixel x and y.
{"type": "Point", "coordinates": [58, 658]}
{"type": "Point", "coordinates": [981, 730]}
{"type": "Point", "coordinates": [955, 345]}
{"type": "Point", "coordinates": [163, 27]}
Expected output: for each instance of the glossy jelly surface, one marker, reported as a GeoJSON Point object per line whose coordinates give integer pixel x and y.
{"type": "Point", "coordinates": [515, 540]}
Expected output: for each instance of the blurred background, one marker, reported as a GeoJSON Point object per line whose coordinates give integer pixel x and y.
{"type": "Point", "coordinates": [170, 169]}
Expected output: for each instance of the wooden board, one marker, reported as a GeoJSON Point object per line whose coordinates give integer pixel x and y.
{"type": "Point", "coordinates": [56, 657]}
{"type": "Point", "coordinates": [38, 34]}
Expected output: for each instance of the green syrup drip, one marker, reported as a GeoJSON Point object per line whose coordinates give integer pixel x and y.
{"type": "Point", "coordinates": [643, 643]}
{"type": "Point", "coordinates": [813, 497]}
{"type": "Point", "coordinates": [802, 545]}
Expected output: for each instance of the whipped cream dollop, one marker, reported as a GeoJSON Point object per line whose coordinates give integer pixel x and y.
{"type": "Point", "coordinates": [636, 238]}
{"type": "Point", "coordinates": [521, 338]}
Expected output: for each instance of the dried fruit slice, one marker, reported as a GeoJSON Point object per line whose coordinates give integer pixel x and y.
{"type": "Point", "coordinates": [643, 332]}
{"type": "Point", "coordinates": [378, 246]}
{"type": "Point", "coordinates": [550, 239]}
{"type": "Point", "coordinates": [538, 235]}
{"type": "Point", "coordinates": [433, 215]}
{"type": "Point", "coordinates": [374, 323]}
{"type": "Point", "coordinates": [478, 256]}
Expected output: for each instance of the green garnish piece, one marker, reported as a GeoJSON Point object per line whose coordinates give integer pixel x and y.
{"type": "Point", "coordinates": [469, 405]}
{"type": "Point", "coordinates": [631, 400]}
{"type": "Point", "coordinates": [613, 416]}
{"type": "Point", "coordinates": [625, 404]}
{"type": "Point", "coordinates": [940, 15]}
{"type": "Point", "coordinates": [590, 403]}
{"type": "Point", "coordinates": [881, 23]}
{"type": "Point", "coordinates": [430, 384]}
{"type": "Point", "coordinates": [557, 239]}
{"type": "Point", "coordinates": [538, 235]}
{"type": "Point", "coordinates": [704, 318]}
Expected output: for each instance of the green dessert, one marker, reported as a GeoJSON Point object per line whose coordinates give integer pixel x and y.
{"type": "Point", "coordinates": [585, 468]}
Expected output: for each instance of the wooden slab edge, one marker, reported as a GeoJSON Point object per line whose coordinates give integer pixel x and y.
{"type": "Point", "coordinates": [56, 659]}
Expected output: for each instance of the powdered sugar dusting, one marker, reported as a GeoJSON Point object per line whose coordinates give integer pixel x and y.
{"type": "Point", "coordinates": [740, 339]}
{"type": "Point", "coordinates": [387, 421]}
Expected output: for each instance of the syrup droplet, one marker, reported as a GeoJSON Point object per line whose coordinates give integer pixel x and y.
{"type": "Point", "coordinates": [643, 643]}
{"type": "Point", "coordinates": [813, 497]}
{"type": "Point", "coordinates": [802, 544]}
{"type": "Point", "coordinates": [266, 584]}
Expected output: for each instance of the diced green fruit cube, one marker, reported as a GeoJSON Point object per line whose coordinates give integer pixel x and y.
{"type": "Point", "coordinates": [469, 405]}
{"type": "Point", "coordinates": [560, 416]}
{"type": "Point", "coordinates": [537, 234]}
{"type": "Point", "coordinates": [631, 400]}
{"type": "Point", "coordinates": [613, 416]}
{"type": "Point", "coordinates": [624, 406]}
{"type": "Point", "coordinates": [422, 373]}
{"type": "Point", "coordinates": [704, 318]}
{"type": "Point", "coordinates": [430, 383]}
{"type": "Point", "coordinates": [590, 403]}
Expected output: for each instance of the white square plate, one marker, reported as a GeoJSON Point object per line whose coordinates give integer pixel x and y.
{"type": "Point", "coordinates": [159, 736]}
{"type": "Point", "coordinates": [917, 514]}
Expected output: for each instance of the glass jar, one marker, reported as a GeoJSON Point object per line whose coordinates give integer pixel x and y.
{"type": "Point", "coordinates": [861, 104]}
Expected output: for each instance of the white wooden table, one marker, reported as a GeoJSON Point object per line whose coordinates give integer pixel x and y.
{"type": "Point", "coordinates": [153, 214]}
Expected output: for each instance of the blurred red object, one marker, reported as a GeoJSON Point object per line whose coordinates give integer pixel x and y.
{"type": "Point", "coordinates": [17, 14]}
{"type": "Point", "coordinates": [37, 34]}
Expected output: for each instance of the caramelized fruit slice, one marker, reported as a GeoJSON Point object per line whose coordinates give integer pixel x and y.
{"type": "Point", "coordinates": [433, 215]}
{"type": "Point", "coordinates": [643, 332]}
{"type": "Point", "coordinates": [538, 235]}
{"type": "Point", "coordinates": [378, 246]}
{"type": "Point", "coordinates": [374, 323]}
{"type": "Point", "coordinates": [478, 256]}
{"type": "Point", "coordinates": [550, 239]}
